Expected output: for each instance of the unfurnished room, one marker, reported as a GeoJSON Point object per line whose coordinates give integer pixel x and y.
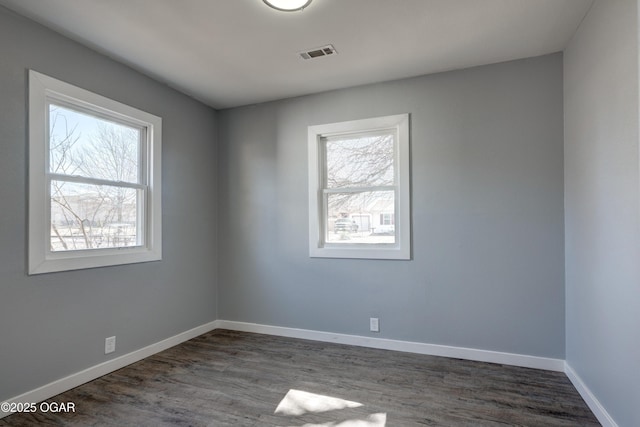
{"type": "Point", "coordinates": [319, 213]}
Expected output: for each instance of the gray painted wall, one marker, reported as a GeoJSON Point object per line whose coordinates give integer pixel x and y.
{"type": "Point", "coordinates": [602, 208]}
{"type": "Point", "coordinates": [488, 239]}
{"type": "Point", "coordinates": [53, 325]}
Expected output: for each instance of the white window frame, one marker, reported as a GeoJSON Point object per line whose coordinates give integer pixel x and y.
{"type": "Point", "coordinates": [43, 90]}
{"type": "Point", "coordinates": [318, 247]}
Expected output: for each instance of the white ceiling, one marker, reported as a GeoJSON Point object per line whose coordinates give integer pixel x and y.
{"type": "Point", "coordinates": [228, 53]}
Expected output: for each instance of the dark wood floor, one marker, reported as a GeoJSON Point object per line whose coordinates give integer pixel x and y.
{"type": "Point", "coordinates": [227, 378]}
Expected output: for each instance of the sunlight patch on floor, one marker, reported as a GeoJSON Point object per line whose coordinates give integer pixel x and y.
{"type": "Point", "coordinates": [298, 402]}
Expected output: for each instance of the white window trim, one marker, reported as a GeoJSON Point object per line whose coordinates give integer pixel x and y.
{"type": "Point", "coordinates": [43, 88]}
{"type": "Point", "coordinates": [401, 250]}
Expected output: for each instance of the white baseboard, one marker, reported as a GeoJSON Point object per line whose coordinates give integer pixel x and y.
{"type": "Point", "coordinates": [405, 346]}
{"type": "Point", "coordinates": [592, 402]}
{"type": "Point", "coordinates": [74, 380]}
{"type": "Point", "coordinates": [59, 386]}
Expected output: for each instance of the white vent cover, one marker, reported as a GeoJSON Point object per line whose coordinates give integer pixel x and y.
{"type": "Point", "coordinates": [319, 52]}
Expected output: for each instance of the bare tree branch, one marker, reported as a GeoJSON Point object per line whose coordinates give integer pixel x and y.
{"type": "Point", "coordinates": [110, 153]}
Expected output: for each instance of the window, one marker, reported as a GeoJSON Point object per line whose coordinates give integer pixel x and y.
{"type": "Point", "coordinates": [94, 179]}
{"type": "Point", "coordinates": [359, 189]}
{"type": "Point", "coordinates": [386, 219]}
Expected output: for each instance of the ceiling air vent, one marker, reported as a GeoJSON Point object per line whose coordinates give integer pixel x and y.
{"type": "Point", "coordinates": [319, 52]}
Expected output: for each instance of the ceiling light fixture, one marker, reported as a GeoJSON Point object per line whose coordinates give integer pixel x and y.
{"type": "Point", "coordinates": [287, 5]}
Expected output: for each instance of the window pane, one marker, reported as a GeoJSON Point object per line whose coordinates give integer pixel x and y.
{"type": "Point", "coordinates": [89, 146]}
{"type": "Point", "coordinates": [360, 217]}
{"type": "Point", "coordinates": [360, 161]}
{"type": "Point", "coordinates": [85, 216]}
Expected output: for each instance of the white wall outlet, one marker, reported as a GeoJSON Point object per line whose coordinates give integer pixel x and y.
{"type": "Point", "coordinates": [109, 345]}
{"type": "Point", "coordinates": [374, 324]}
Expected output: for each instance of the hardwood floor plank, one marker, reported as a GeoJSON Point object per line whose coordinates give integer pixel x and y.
{"type": "Point", "coordinates": [227, 378]}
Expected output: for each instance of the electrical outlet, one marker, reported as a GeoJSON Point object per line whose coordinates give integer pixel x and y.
{"type": "Point", "coordinates": [109, 345]}
{"type": "Point", "coordinates": [374, 324]}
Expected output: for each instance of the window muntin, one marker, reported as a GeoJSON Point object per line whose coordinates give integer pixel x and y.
{"type": "Point", "coordinates": [359, 176]}
{"type": "Point", "coordinates": [94, 179]}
